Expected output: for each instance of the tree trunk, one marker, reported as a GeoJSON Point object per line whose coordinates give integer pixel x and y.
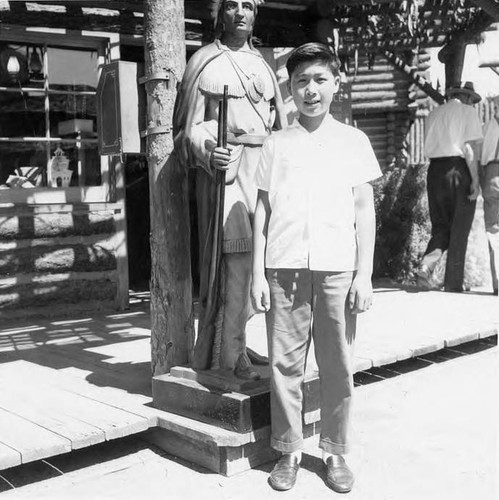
{"type": "Point", "coordinates": [171, 295]}
{"type": "Point", "coordinates": [452, 55]}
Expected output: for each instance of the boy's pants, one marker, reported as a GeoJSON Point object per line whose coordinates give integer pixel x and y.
{"type": "Point", "coordinates": [297, 296]}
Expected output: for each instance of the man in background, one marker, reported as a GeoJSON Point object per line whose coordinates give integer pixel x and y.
{"type": "Point", "coordinates": [453, 138]}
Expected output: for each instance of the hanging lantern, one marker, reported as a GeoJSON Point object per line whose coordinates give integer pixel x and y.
{"type": "Point", "coordinates": [35, 62]}
{"type": "Point", "coordinates": [13, 67]}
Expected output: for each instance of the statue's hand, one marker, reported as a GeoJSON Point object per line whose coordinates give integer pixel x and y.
{"type": "Point", "coordinates": [220, 158]}
{"type": "Point", "coordinates": [260, 294]}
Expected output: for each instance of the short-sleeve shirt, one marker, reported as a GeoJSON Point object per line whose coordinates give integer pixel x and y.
{"type": "Point", "coordinates": [449, 128]}
{"type": "Point", "coordinates": [309, 177]}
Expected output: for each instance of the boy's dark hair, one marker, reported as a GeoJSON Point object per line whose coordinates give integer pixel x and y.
{"type": "Point", "coordinates": [312, 52]}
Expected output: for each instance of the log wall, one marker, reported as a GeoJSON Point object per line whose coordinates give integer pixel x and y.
{"type": "Point", "coordinates": [379, 105]}
{"type": "Point", "coordinates": [385, 105]}
{"type": "Point", "coordinates": [57, 258]}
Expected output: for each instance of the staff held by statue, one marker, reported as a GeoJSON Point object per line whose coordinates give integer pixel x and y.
{"type": "Point", "coordinates": [207, 328]}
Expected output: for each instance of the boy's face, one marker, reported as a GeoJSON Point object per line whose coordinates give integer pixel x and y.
{"type": "Point", "coordinates": [313, 86]}
{"type": "Point", "coordinates": [238, 15]}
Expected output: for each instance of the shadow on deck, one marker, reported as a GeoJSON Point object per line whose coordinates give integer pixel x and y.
{"type": "Point", "coordinates": [107, 350]}
{"type": "Point", "coordinates": [69, 383]}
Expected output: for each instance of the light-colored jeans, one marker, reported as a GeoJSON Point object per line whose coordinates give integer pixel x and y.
{"type": "Point", "coordinates": [305, 302]}
{"type": "Point", "coordinates": [489, 180]}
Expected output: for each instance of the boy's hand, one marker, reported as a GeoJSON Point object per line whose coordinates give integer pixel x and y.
{"type": "Point", "coordinates": [360, 297]}
{"type": "Point", "coordinates": [220, 158]}
{"type": "Point", "coordinates": [260, 294]}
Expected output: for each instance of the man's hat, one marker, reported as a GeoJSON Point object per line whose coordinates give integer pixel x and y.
{"type": "Point", "coordinates": [468, 88]}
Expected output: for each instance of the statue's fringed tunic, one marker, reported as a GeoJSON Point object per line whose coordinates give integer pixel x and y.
{"type": "Point", "coordinates": [254, 108]}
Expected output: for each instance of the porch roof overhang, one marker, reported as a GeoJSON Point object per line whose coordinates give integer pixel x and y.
{"type": "Point", "coordinates": [366, 25]}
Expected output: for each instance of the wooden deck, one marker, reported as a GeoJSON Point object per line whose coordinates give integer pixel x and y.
{"type": "Point", "coordinates": [70, 383]}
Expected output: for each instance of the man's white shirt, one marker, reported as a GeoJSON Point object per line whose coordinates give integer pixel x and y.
{"type": "Point", "coordinates": [449, 127]}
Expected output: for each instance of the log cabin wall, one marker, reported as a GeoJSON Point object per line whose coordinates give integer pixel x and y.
{"type": "Point", "coordinates": [420, 107]}
{"type": "Point", "coordinates": [384, 104]}
{"type": "Point", "coordinates": [59, 258]}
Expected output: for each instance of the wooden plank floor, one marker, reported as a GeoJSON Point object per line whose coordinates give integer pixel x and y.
{"type": "Point", "coordinates": [70, 383]}
{"type": "Point", "coordinates": [45, 413]}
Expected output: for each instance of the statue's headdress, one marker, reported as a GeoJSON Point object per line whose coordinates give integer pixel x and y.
{"type": "Point", "coordinates": [216, 14]}
{"type": "Point", "coordinates": [216, 5]}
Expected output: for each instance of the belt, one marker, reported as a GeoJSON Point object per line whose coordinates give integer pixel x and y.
{"type": "Point", "coordinates": [440, 158]}
{"type": "Point", "coordinates": [246, 139]}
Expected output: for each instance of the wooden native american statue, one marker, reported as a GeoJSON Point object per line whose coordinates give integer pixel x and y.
{"type": "Point", "coordinates": [254, 108]}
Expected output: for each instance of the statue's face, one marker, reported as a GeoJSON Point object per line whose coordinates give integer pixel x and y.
{"type": "Point", "coordinates": [238, 15]}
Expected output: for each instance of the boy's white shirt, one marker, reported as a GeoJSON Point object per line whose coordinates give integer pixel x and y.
{"type": "Point", "coordinates": [309, 177]}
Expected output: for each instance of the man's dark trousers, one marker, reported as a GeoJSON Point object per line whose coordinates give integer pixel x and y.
{"type": "Point", "coordinates": [451, 215]}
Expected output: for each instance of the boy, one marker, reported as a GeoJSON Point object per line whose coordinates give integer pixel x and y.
{"type": "Point", "coordinates": [313, 248]}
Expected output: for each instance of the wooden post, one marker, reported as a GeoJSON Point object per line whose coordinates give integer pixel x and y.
{"type": "Point", "coordinates": [120, 236]}
{"type": "Point", "coordinates": [171, 295]}
{"type": "Point", "coordinates": [452, 55]}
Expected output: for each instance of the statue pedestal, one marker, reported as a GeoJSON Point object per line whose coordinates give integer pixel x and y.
{"type": "Point", "coordinates": [221, 422]}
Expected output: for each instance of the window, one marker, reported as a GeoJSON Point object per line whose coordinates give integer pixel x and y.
{"type": "Point", "coordinates": [48, 116]}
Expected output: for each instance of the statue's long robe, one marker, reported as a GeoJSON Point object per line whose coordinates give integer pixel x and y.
{"type": "Point", "coordinates": [195, 129]}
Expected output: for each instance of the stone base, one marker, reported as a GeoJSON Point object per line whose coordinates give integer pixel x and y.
{"type": "Point", "coordinates": [223, 400]}
{"type": "Point", "coordinates": [220, 422]}
{"type": "Point", "coordinates": [223, 380]}
{"type": "Point", "coordinates": [226, 454]}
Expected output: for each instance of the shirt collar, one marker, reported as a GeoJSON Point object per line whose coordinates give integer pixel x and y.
{"type": "Point", "coordinates": [324, 128]}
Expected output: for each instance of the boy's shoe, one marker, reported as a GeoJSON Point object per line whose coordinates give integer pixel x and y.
{"type": "Point", "coordinates": [339, 476]}
{"type": "Point", "coordinates": [423, 279]}
{"type": "Point", "coordinates": [283, 476]}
